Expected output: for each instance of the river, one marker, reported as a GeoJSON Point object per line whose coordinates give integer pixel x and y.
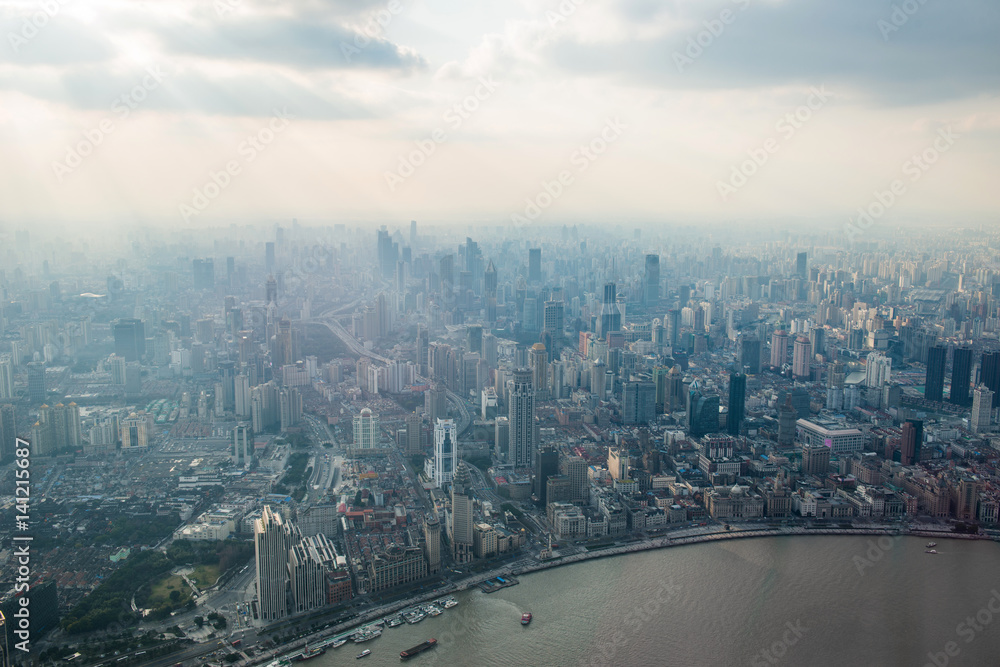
{"type": "Point", "coordinates": [818, 600]}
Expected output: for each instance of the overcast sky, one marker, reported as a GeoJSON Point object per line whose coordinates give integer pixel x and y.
{"type": "Point", "coordinates": [122, 111]}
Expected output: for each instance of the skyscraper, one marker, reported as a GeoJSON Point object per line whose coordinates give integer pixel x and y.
{"type": "Point", "coordinates": [130, 338]}
{"type": "Point", "coordinates": [546, 465]}
{"type": "Point", "coordinates": [538, 360]}
{"type": "Point", "coordinates": [462, 518]}
{"type": "Point", "coordinates": [36, 382]}
{"type": "Point", "coordinates": [242, 445]}
{"type": "Point", "coordinates": [934, 382]}
{"type": "Point", "coordinates": [737, 403]}
{"type": "Point", "coordinates": [651, 280]}
{"type": "Point", "coordinates": [432, 543]}
{"type": "Point", "coordinates": [801, 265]}
{"type": "Point", "coordinates": [610, 318]}
{"type": "Point", "coordinates": [490, 292]}
{"type": "Point", "coordinates": [366, 431]}
{"type": "Point", "coordinates": [982, 406]}
{"type": "Point", "coordinates": [272, 541]}
{"type": "Point", "coordinates": [779, 349]}
{"type": "Point", "coordinates": [638, 402]}
{"type": "Point", "coordinates": [990, 373]}
{"type": "Point", "coordinates": [749, 354]}
{"type": "Point", "coordinates": [534, 265]}
{"type": "Point", "coordinates": [801, 357]}
{"type": "Point", "coordinates": [413, 429]}
{"type": "Point", "coordinates": [203, 271]}
{"type": "Point", "coordinates": [6, 377]}
{"type": "Point", "coordinates": [912, 439]}
{"type": "Point", "coordinates": [961, 374]}
{"type": "Point", "coordinates": [521, 413]}
{"type": "Point", "coordinates": [703, 412]}
{"type": "Point", "coordinates": [445, 451]}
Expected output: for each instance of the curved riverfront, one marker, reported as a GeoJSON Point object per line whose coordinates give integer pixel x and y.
{"type": "Point", "coordinates": [864, 599]}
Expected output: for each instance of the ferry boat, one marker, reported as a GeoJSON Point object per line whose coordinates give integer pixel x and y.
{"type": "Point", "coordinates": [931, 551]}
{"type": "Point", "coordinates": [395, 621]}
{"type": "Point", "coordinates": [448, 602]}
{"type": "Point", "coordinates": [364, 653]}
{"type": "Point", "coordinates": [419, 648]}
{"type": "Point", "coordinates": [931, 545]}
{"type": "Point", "coordinates": [525, 618]}
{"type": "Point", "coordinates": [309, 654]}
{"type": "Point", "coordinates": [338, 643]}
{"type": "Point", "coordinates": [433, 610]}
{"type": "Point", "coordinates": [415, 617]}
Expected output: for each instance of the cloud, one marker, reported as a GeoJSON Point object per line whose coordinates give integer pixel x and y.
{"type": "Point", "coordinates": [93, 89]}
{"type": "Point", "coordinates": [302, 41]}
{"type": "Point", "coordinates": [61, 40]}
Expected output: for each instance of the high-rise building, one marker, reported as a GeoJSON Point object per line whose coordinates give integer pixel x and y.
{"type": "Point", "coordinates": [309, 562]}
{"type": "Point", "coordinates": [961, 376]}
{"type": "Point", "coordinates": [366, 431]}
{"type": "Point", "coordinates": [546, 465]}
{"type": "Point", "coordinates": [552, 318]}
{"type": "Point", "coordinates": [787, 416]}
{"type": "Point", "coordinates": [989, 373]}
{"type": "Point", "coordinates": [779, 349]}
{"type": "Point", "coordinates": [490, 292]}
{"type": "Point", "coordinates": [272, 542]}
{"type": "Point", "coordinates": [575, 469]}
{"type": "Point", "coordinates": [445, 451]}
{"type": "Point", "coordinates": [242, 445]}
{"type": "Point", "coordinates": [241, 395]}
{"type": "Point", "coordinates": [672, 324]}
{"type": "Point", "coordinates": [36, 382]}
{"type": "Point", "coordinates": [610, 318]}
{"type": "Point", "coordinates": [523, 432]}
{"type": "Point", "coordinates": [413, 429]}
{"type": "Point", "coordinates": [432, 544]}
{"type": "Point", "coordinates": [801, 357]}
{"type": "Point", "coordinates": [534, 265]}
{"type": "Point", "coordinates": [6, 377]}
{"type": "Point", "coordinates": [289, 407]}
{"type": "Point", "coordinates": [638, 402]}
{"type": "Point", "coordinates": [462, 518]}
{"type": "Point", "coordinates": [269, 261]}
{"type": "Point", "coordinates": [911, 441]}
{"type": "Point", "coordinates": [801, 266]}
{"type": "Point", "coordinates": [982, 407]}
{"type": "Point", "coordinates": [749, 354]}
{"type": "Point", "coordinates": [135, 431]}
{"type": "Point", "coordinates": [703, 411]}
{"type": "Point", "coordinates": [271, 290]}
{"type": "Point", "coordinates": [501, 438]}
{"type": "Point", "coordinates": [538, 360]}
{"type": "Point", "coordinates": [816, 460]}
{"type": "Point", "coordinates": [737, 403]}
{"type": "Point", "coordinates": [878, 370]}
{"type": "Point", "coordinates": [423, 342]}
{"type": "Point", "coordinates": [651, 281]}
{"type": "Point", "coordinates": [130, 338]}
{"type": "Point", "coordinates": [8, 432]}
{"type": "Point", "coordinates": [203, 271]}
{"type": "Point", "coordinates": [934, 383]}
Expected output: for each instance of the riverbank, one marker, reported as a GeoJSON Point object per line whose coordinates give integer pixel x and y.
{"type": "Point", "coordinates": [682, 538]}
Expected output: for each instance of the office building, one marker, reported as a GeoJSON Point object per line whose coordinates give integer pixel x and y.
{"type": "Point", "coordinates": [445, 451]}
{"type": "Point", "coordinates": [737, 403]}
{"type": "Point", "coordinates": [911, 441]}
{"type": "Point", "coordinates": [203, 271]}
{"type": "Point", "coordinates": [961, 376]}
{"type": "Point", "coordinates": [982, 408]}
{"type": "Point", "coordinates": [414, 426]}
{"type": "Point", "coordinates": [366, 432]}
{"type": "Point", "coordinates": [934, 382]}
{"type": "Point", "coordinates": [801, 358]}
{"type": "Point", "coordinates": [272, 542]}
{"type": "Point", "coordinates": [6, 377]}
{"type": "Point", "coordinates": [610, 317]}
{"type": "Point", "coordinates": [638, 403]}
{"type": "Point", "coordinates": [703, 412]}
{"type": "Point", "coordinates": [651, 281]}
{"type": "Point", "coordinates": [534, 265]}
{"type": "Point", "coordinates": [989, 373]}
{"type": "Point", "coordinates": [779, 349]}
{"type": "Point", "coordinates": [130, 339]}
{"type": "Point", "coordinates": [521, 415]}
{"type": "Point", "coordinates": [462, 518]}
